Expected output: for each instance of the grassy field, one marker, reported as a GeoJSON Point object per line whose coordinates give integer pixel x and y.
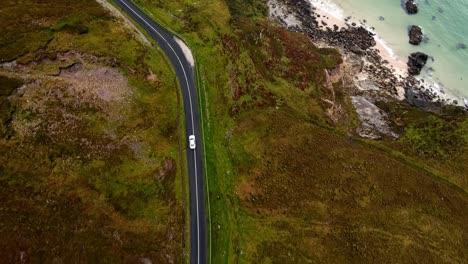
{"type": "Point", "coordinates": [90, 165]}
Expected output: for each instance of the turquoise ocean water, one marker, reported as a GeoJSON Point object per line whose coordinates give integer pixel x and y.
{"type": "Point", "coordinates": [444, 23]}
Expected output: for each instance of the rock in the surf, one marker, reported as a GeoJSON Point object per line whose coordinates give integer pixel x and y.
{"type": "Point", "coordinates": [415, 35]}
{"type": "Point", "coordinates": [416, 62]}
{"type": "Point", "coordinates": [411, 7]}
{"type": "Point", "coordinates": [461, 46]}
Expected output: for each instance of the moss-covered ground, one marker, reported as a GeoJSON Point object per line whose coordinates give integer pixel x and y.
{"type": "Point", "coordinates": [90, 167]}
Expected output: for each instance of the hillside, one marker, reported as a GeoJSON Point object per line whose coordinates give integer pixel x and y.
{"type": "Point", "coordinates": [292, 181]}
{"type": "Point", "coordinates": [89, 150]}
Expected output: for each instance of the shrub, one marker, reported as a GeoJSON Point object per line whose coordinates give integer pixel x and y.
{"type": "Point", "coordinates": [435, 137]}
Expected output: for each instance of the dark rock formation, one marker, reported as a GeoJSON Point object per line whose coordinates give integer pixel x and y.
{"type": "Point", "coordinates": [421, 97]}
{"type": "Point", "coordinates": [411, 7]}
{"type": "Point", "coordinates": [416, 62]}
{"type": "Point", "coordinates": [415, 35]}
{"type": "Point", "coordinates": [461, 46]}
{"type": "Point", "coordinates": [356, 50]}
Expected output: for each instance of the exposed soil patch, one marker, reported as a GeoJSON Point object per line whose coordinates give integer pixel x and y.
{"type": "Point", "coordinates": [102, 83]}
{"type": "Point", "coordinates": [60, 104]}
{"type": "Point", "coordinates": [247, 189]}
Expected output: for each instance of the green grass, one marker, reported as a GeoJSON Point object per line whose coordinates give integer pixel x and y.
{"type": "Point", "coordinates": [434, 137]}
{"type": "Point", "coordinates": [35, 31]}
{"type": "Point", "coordinates": [7, 87]}
{"type": "Point", "coordinates": [216, 119]}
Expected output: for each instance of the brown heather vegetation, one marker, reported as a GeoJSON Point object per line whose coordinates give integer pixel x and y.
{"type": "Point", "coordinates": [89, 155]}
{"type": "Point", "coordinates": [325, 196]}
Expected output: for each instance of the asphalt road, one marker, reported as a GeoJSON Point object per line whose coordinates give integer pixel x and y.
{"type": "Point", "coordinates": [186, 77]}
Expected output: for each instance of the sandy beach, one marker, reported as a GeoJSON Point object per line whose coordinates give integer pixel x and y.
{"type": "Point", "coordinates": [385, 52]}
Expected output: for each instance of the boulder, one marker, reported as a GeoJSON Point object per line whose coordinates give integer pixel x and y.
{"type": "Point", "coordinates": [416, 62]}
{"type": "Point", "coordinates": [411, 7]}
{"type": "Point", "coordinates": [356, 50]}
{"type": "Point", "coordinates": [461, 46]}
{"type": "Point", "coordinates": [415, 35]}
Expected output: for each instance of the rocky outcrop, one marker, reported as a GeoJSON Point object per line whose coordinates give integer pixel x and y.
{"type": "Point", "coordinates": [374, 122]}
{"type": "Point", "coordinates": [411, 7]}
{"type": "Point", "coordinates": [415, 35]}
{"type": "Point", "coordinates": [282, 13]}
{"type": "Point", "coordinates": [416, 62]}
{"type": "Point", "coordinates": [422, 97]}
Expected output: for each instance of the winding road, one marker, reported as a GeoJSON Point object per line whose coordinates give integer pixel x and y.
{"type": "Point", "coordinates": [185, 74]}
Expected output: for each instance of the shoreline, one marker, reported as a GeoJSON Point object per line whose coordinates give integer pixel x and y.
{"type": "Point", "coordinates": [428, 87]}
{"type": "Point", "coordinates": [383, 71]}
{"type": "Point", "coordinates": [385, 52]}
{"type": "Point", "coordinates": [370, 73]}
{"type": "Point", "coordinates": [367, 70]}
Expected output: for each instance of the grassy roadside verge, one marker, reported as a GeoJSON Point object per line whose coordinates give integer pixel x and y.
{"type": "Point", "coordinates": [184, 194]}
{"type": "Point", "coordinates": [213, 193]}
{"type": "Point", "coordinates": [183, 171]}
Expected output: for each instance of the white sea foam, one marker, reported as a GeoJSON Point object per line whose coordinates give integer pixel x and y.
{"type": "Point", "coordinates": [385, 46]}
{"type": "Point", "coordinates": [329, 7]}
{"type": "Point", "coordinates": [437, 88]}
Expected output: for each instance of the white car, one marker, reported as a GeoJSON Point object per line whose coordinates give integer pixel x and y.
{"type": "Point", "coordinates": [192, 141]}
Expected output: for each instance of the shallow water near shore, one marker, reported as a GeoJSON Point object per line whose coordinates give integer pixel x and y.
{"type": "Point", "coordinates": [445, 24]}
